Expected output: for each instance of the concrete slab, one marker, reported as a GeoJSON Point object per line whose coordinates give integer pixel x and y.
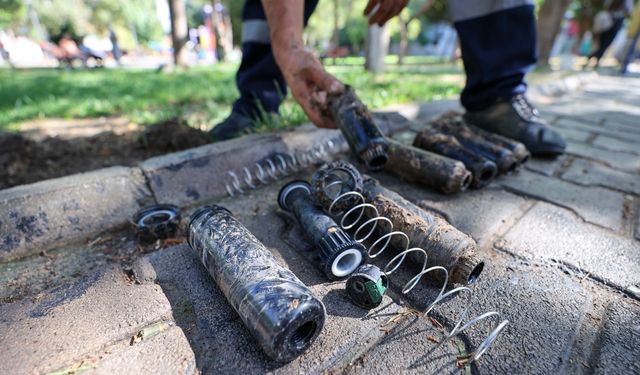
{"type": "Point", "coordinates": [165, 353]}
{"type": "Point", "coordinates": [544, 307]}
{"type": "Point", "coordinates": [594, 204]}
{"type": "Point", "coordinates": [40, 216]}
{"type": "Point", "coordinates": [613, 144]}
{"type": "Point", "coordinates": [554, 234]}
{"type": "Point", "coordinates": [68, 323]}
{"type": "Point", "coordinates": [547, 166]}
{"type": "Point", "coordinates": [586, 172]}
{"type": "Point", "coordinates": [620, 348]}
{"type": "Point", "coordinates": [623, 161]}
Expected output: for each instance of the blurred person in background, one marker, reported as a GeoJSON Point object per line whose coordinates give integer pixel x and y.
{"type": "Point", "coordinates": [607, 24]}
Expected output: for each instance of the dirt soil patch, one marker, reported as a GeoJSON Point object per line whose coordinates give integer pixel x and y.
{"type": "Point", "coordinates": [26, 159]}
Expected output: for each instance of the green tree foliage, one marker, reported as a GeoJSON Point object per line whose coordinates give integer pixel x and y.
{"type": "Point", "coordinates": [11, 12]}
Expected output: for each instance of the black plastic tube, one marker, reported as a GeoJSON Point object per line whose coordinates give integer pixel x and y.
{"type": "Point", "coordinates": [338, 253]}
{"type": "Point", "coordinates": [275, 306]}
{"type": "Point", "coordinates": [363, 136]}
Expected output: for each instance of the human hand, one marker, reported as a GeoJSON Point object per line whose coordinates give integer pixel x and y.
{"type": "Point", "coordinates": [310, 83]}
{"type": "Point", "coordinates": [381, 11]}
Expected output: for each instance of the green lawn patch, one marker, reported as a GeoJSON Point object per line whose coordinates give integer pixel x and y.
{"type": "Point", "coordinates": [147, 96]}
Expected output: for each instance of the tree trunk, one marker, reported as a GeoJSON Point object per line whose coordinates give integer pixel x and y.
{"type": "Point", "coordinates": [377, 48]}
{"type": "Point", "coordinates": [404, 42]}
{"type": "Point", "coordinates": [179, 31]}
{"type": "Point", "coordinates": [549, 23]}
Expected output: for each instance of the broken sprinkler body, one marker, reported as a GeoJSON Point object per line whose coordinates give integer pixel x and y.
{"type": "Point", "coordinates": [427, 168]}
{"type": "Point", "coordinates": [338, 253]}
{"type": "Point", "coordinates": [445, 245]}
{"type": "Point", "coordinates": [483, 169]}
{"type": "Point", "coordinates": [366, 286]}
{"type": "Point", "coordinates": [479, 141]}
{"type": "Point", "coordinates": [356, 124]}
{"type": "Point", "coordinates": [275, 306]}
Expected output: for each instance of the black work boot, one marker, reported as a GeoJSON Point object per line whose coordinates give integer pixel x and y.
{"type": "Point", "coordinates": [236, 125]}
{"type": "Point", "coordinates": [516, 118]}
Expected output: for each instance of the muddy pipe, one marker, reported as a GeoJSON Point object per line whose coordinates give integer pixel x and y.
{"type": "Point", "coordinates": [445, 245]}
{"type": "Point", "coordinates": [356, 124]}
{"type": "Point", "coordinates": [483, 169]}
{"type": "Point", "coordinates": [275, 306]}
{"type": "Point", "coordinates": [504, 159]}
{"type": "Point", "coordinates": [427, 168]}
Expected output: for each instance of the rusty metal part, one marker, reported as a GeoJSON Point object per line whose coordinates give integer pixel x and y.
{"type": "Point", "coordinates": [356, 123]}
{"type": "Point", "coordinates": [427, 168]}
{"type": "Point", "coordinates": [338, 254]}
{"type": "Point", "coordinates": [445, 245]}
{"type": "Point", "coordinates": [483, 169]}
{"type": "Point", "coordinates": [275, 306]}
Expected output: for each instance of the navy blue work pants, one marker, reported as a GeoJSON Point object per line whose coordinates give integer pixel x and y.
{"type": "Point", "coordinates": [497, 39]}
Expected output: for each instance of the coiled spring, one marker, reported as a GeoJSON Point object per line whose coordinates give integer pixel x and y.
{"type": "Point", "coordinates": [279, 165]}
{"type": "Point", "coordinates": [352, 219]}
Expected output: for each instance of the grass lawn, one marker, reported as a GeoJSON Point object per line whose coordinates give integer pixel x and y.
{"type": "Point", "coordinates": [203, 94]}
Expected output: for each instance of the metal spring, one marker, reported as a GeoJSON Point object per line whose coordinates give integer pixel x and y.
{"type": "Point", "coordinates": [279, 165]}
{"type": "Point", "coordinates": [349, 224]}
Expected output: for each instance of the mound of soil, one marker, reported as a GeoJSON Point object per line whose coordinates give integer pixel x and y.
{"type": "Point", "coordinates": [24, 160]}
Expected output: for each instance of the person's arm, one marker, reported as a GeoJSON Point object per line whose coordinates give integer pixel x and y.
{"type": "Point", "coordinates": [310, 83]}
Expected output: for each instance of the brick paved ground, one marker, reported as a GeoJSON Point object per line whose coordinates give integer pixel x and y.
{"type": "Point", "coordinates": [562, 238]}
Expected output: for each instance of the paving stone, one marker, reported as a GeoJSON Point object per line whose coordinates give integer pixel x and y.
{"type": "Point", "coordinates": [546, 166]}
{"type": "Point", "coordinates": [166, 353]}
{"type": "Point", "coordinates": [552, 233]}
{"type": "Point", "coordinates": [544, 309]}
{"type": "Point", "coordinates": [579, 124]}
{"type": "Point", "coordinates": [623, 161]}
{"type": "Point", "coordinates": [40, 216]}
{"type": "Point", "coordinates": [594, 204]}
{"type": "Point", "coordinates": [217, 335]}
{"type": "Point", "coordinates": [590, 173]}
{"type": "Point", "coordinates": [613, 144]}
{"type": "Point", "coordinates": [620, 348]}
{"type": "Point", "coordinates": [573, 135]}
{"type": "Point", "coordinates": [73, 321]}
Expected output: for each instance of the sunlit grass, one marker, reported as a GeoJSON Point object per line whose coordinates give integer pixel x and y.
{"type": "Point", "coordinates": [147, 96]}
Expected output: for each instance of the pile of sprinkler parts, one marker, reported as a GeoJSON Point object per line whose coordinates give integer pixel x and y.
{"type": "Point", "coordinates": [351, 220]}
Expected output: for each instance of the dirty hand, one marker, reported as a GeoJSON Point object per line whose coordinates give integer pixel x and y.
{"type": "Point", "coordinates": [310, 83]}
{"type": "Point", "coordinates": [381, 11]}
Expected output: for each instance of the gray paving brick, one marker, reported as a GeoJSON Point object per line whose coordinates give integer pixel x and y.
{"type": "Point", "coordinates": [554, 234]}
{"type": "Point", "coordinates": [166, 353]}
{"type": "Point", "coordinates": [76, 320]}
{"type": "Point", "coordinates": [479, 213]}
{"type": "Point", "coordinates": [621, 340]}
{"type": "Point", "coordinates": [40, 216]}
{"type": "Point", "coordinates": [623, 161]}
{"type": "Point", "coordinates": [580, 124]}
{"type": "Point", "coordinates": [544, 308]}
{"type": "Point", "coordinates": [573, 135]}
{"type": "Point", "coordinates": [590, 173]}
{"type": "Point", "coordinates": [218, 337]}
{"type": "Point", "coordinates": [613, 144]}
{"type": "Point", "coordinates": [547, 166]}
{"type": "Point", "coordinates": [594, 204]}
